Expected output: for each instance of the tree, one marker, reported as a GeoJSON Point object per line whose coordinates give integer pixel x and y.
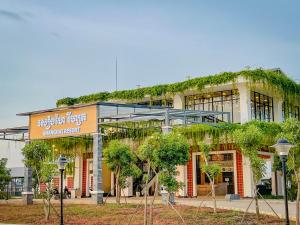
{"type": "Point", "coordinates": [121, 160]}
{"type": "Point", "coordinates": [211, 170]}
{"type": "Point", "coordinates": [291, 131]}
{"type": "Point", "coordinates": [4, 173]}
{"type": "Point", "coordinates": [163, 153]}
{"type": "Point", "coordinates": [37, 156]}
{"type": "Point", "coordinates": [250, 138]}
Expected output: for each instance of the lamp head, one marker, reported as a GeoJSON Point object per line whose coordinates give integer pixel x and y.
{"type": "Point", "coordinates": [282, 147]}
{"type": "Point", "coordinates": [61, 162]}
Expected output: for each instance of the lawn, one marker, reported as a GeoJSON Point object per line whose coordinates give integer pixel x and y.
{"type": "Point", "coordinates": [121, 215]}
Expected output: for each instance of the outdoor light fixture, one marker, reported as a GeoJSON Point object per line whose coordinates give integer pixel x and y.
{"type": "Point", "coordinates": [282, 148]}
{"type": "Point", "coordinates": [61, 162]}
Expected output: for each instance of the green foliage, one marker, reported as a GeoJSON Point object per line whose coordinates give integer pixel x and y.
{"type": "Point", "coordinates": [35, 153]}
{"type": "Point", "coordinates": [168, 180]}
{"type": "Point", "coordinates": [4, 173]}
{"type": "Point", "coordinates": [212, 170]}
{"type": "Point", "coordinates": [250, 140]}
{"type": "Point", "coordinates": [272, 79]}
{"type": "Point", "coordinates": [173, 151]}
{"type": "Point", "coordinates": [164, 152]}
{"type": "Point", "coordinates": [120, 159]}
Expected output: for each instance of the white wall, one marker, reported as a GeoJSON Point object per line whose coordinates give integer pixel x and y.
{"type": "Point", "coordinates": [12, 151]}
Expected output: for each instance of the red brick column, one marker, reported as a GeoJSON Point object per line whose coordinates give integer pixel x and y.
{"type": "Point", "coordinates": [70, 182]}
{"type": "Point", "coordinates": [190, 176]}
{"type": "Point", "coordinates": [239, 173]}
{"type": "Point", "coordinates": [43, 187]}
{"type": "Point", "coordinates": [84, 164]}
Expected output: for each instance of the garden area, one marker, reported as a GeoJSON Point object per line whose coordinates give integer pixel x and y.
{"type": "Point", "coordinates": [126, 214]}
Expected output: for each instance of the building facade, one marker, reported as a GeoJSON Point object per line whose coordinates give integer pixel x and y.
{"type": "Point", "coordinates": [238, 101]}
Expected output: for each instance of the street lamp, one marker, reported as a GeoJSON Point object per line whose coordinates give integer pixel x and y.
{"type": "Point", "coordinates": [62, 161]}
{"type": "Point", "coordinates": [282, 148]}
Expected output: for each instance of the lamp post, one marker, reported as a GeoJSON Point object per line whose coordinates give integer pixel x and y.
{"type": "Point", "coordinates": [62, 161]}
{"type": "Point", "coordinates": [282, 148]}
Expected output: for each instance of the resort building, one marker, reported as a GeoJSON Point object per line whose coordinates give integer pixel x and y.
{"type": "Point", "coordinates": [264, 95]}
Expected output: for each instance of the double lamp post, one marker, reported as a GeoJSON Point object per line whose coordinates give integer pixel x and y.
{"type": "Point", "coordinates": [282, 148]}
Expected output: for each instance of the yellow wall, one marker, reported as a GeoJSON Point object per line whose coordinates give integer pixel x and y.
{"type": "Point", "coordinates": [106, 178]}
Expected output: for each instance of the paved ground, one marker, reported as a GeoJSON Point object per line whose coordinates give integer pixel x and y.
{"type": "Point", "coordinates": [239, 205]}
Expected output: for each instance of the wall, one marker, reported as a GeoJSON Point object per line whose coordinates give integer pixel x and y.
{"type": "Point", "coordinates": [12, 151]}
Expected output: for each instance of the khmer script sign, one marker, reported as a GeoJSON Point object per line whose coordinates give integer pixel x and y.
{"type": "Point", "coordinates": [62, 123]}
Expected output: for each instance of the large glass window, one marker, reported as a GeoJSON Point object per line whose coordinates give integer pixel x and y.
{"type": "Point", "coordinates": [290, 111]}
{"type": "Point", "coordinates": [261, 107]}
{"type": "Point", "coordinates": [221, 101]}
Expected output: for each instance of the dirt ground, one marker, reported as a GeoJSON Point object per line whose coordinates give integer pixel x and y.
{"type": "Point", "coordinates": [125, 214]}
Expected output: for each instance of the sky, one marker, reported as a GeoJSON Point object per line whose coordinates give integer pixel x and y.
{"type": "Point", "coordinates": [50, 49]}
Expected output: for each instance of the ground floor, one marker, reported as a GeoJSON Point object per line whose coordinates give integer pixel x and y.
{"type": "Point", "coordinates": [235, 176]}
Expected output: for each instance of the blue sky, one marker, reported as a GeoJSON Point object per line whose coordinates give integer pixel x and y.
{"type": "Point", "coordinates": [56, 48]}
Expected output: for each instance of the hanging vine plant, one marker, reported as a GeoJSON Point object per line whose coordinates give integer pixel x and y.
{"type": "Point", "coordinates": [272, 79]}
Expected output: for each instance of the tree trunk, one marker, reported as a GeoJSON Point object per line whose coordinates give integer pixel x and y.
{"type": "Point", "coordinates": [213, 193]}
{"type": "Point", "coordinates": [256, 198]}
{"type": "Point", "coordinates": [117, 187]}
{"type": "Point", "coordinates": [297, 203]}
{"type": "Point", "coordinates": [146, 194]}
{"type": "Point", "coordinates": [152, 202]}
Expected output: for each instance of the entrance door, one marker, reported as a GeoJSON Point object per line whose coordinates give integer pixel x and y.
{"type": "Point", "coordinates": [89, 184]}
{"type": "Point", "coordinates": [228, 179]}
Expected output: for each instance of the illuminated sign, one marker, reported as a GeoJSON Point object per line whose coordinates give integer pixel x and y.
{"type": "Point", "coordinates": [63, 123]}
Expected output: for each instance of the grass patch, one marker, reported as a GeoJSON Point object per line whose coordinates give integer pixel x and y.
{"type": "Point", "coordinates": [120, 214]}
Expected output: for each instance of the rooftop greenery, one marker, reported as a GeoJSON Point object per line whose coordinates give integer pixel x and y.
{"type": "Point", "coordinates": [272, 79]}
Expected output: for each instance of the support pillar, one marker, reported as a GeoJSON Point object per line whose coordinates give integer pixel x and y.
{"type": "Point", "coordinates": [245, 102]}
{"type": "Point", "coordinates": [27, 194]}
{"type": "Point", "coordinates": [97, 193]}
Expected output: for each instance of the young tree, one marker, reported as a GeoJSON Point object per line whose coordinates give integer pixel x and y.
{"type": "Point", "coordinates": [211, 170]}
{"type": "Point", "coordinates": [121, 160]}
{"type": "Point", "coordinates": [37, 155]}
{"type": "Point", "coordinates": [163, 152]}
{"type": "Point", "coordinates": [250, 138]}
{"type": "Point", "coordinates": [291, 131]}
{"type": "Point", "coordinates": [4, 174]}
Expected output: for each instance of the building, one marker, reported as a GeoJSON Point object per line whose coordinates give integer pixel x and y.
{"type": "Point", "coordinates": [265, 95]}
{"type": "Point", "coordinates": [12, 140]}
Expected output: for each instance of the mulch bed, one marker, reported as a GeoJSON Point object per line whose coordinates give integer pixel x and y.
{"type": "Point", "coordinates": [112, 214]}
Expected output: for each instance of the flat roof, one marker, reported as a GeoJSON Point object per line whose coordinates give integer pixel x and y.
{"type": "Point", "coordinates": [88, 104]}
{"type": "Point", "coordinates": [14, 130]}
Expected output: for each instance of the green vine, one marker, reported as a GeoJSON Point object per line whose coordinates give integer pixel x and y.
{"type": "Point", "coordinates": [274, 79]}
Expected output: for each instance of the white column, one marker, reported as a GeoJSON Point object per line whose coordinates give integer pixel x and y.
{"type": "Point", "coordinates": [128, 191]}
{"type": "Point", "coordinates": [277, 106]}
{"type": "Point", "coordinates": [77, 174]}
{"type": "Point", "coordinates": [247, 177]}
{"type": "Point", "coordinates": [178, 101]}
{"type": "Point", "coordinates": [181, 177]}
{"type": "Point", "coordinates": [245, 102]}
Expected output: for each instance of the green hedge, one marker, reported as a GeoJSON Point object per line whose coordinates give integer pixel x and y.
{"type": "Point", "coordinates": [274, 79]}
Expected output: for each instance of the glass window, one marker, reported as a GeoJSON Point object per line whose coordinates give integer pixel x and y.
{"type": "Point", "coordinates": [221, 101]}
{"type": "Point", "coordinates": [261, 107]}
{"type": "Point", "coordinates": [290, 111]}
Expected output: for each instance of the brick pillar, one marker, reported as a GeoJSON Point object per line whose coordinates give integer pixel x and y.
{"type": "Point", "coordinates": [84, 164]}
{"type": "Point", "coordinates": [190, 176]}
{"type": "Point", "coordinates": [239, 172]}
{"type": "Point", "coordinates": [70, 182]}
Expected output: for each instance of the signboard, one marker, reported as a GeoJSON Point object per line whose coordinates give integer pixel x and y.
{"type": "Point", "coordinates": [69, 122]}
